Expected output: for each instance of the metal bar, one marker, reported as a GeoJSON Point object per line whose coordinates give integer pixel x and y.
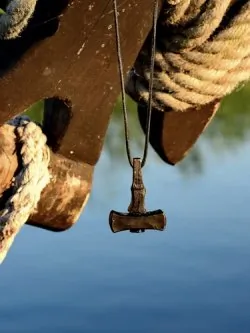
{"type": "Point", "coordinates": [78, 63]}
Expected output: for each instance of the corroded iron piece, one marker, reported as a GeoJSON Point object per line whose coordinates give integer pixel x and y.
{"type": "Point", "coordinates": [62, 200]}
{"type": "Point", "coordinates": [68, 51]}
{"type": "Point", "coordinates": [137, 219]}
{"type": "Point", "coordinates": [173, 134]}
{"type": "Point", "coordinates": [67, 56]}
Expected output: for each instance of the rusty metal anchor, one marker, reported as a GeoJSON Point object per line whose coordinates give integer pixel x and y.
{"type": "Point", "coordinates": [67, 56]}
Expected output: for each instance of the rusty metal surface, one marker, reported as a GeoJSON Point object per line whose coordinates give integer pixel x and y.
{"type": "Point", "coordinates": [62, 200]}
{"type": "Point", "coordinates": [78, 62]}
{"type": "Point", "coordinates": [65, 197]}
{"type": "Point", "coordinates": [173, 134]}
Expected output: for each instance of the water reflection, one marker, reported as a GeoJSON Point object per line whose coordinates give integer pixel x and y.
{"type": "Point", "coordinates": [194, 278]}
{"type": "Point", "coordinates": [228, 130]}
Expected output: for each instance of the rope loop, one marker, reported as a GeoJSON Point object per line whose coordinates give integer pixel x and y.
{"type": "Point", "coordinates": [202, 54]}
{"type": "Point", "coordinates": [16, 17]}
{"type": "Point", "coordinates": [28, 183]}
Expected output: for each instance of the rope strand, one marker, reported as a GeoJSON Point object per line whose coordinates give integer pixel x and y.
{"type": "Point", "coordinates": [28, 184]}
{"type": "Point", "coordinates": [198, 58]}
{"type": "Point", "coordinates": [16, 17]}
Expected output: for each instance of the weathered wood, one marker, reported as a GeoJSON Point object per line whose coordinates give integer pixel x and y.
{"type": "Point", "coordinates": [63, 198]}
{"type": "Point", "coordinates": [78, 62]}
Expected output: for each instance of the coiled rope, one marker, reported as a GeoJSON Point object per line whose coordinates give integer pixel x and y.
{"type": "Point", "coordinates": [15, 17]}
{"type": "Point", "coordinates": [203, 54]}
{"type": "Point", "coordinates": [34, 175]}
{"type": "Point", "coordinates": [28, 184]}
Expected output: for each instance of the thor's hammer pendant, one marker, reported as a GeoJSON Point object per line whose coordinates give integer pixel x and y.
{"type": "Point", "coordinates": [137, 219]}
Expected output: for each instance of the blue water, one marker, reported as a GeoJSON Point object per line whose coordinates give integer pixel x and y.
{"type": "Point", "coordinates": [194, 277]}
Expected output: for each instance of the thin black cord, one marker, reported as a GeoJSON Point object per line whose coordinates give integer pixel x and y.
{"type": "Point", "coordinates": [151, 83]}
